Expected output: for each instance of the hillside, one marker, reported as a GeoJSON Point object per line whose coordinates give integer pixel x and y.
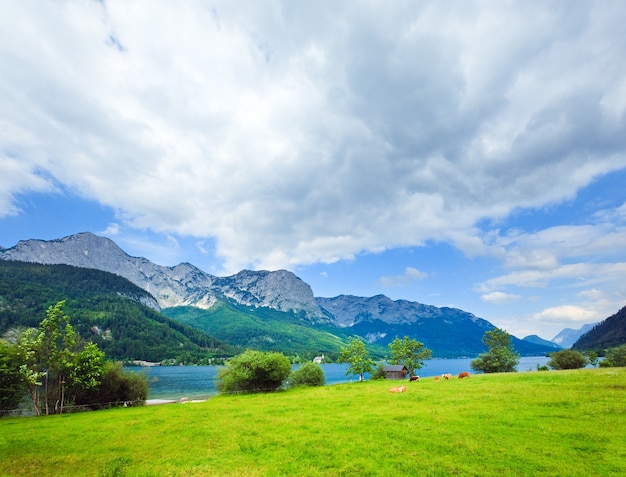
{"type": "Point", "coordinates": [105, 308]}
{"type": "Point", "coordinates": [607, 334]}
{"type": "Point", "coordinates": [267, 329]}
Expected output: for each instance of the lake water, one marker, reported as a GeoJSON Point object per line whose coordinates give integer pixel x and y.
{"type": "Point", "coordinates": [198, 382]}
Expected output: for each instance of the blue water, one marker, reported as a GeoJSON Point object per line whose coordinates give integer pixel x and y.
{"type": "Point", "coordinates": [198, 382]}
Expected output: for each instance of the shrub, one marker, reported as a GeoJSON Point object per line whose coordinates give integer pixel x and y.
{"type": "Point", "coordinates": [117, 386]}
{"type": "Point", "coordinates": [309, 374]}
{"type": "Point", "coordinates": [614, 357]}
{"type": "Point", "coordinates": [567, 359]}
{"type": "Point", "coordinates": [379, 371]}
{"type": "Point", "coordinates": [254, 371]}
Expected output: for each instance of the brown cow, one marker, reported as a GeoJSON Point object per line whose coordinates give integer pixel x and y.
{"type": "Point", "coordinates": [437, 378]}
{"type": "Point", "coordinates": [401, 389]}
{"type": "Point", "coordinates": [464, 374]}
{"type": "Point", "coordinates": [414, 378]}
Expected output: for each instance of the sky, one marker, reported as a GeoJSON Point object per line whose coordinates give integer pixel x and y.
{"type": "Point", "coordinates": [462, 154]}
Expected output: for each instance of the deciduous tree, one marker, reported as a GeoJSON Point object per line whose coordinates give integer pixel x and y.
{"type": "Point", "coordinates": [501, 357]}
{"type": "Point", "coordinates": [357, 357]}
{"type": "Point", "coordinates": [408, 352]}
{"type": "Point", "coordinates": [56, 364]}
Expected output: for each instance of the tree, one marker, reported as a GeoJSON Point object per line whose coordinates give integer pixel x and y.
{"type": "Point", "coordinates": [56, 364]}
{"type": "Point", "coordinates": [12, 384]}
{"type": "Point", "coordinates": [357, 357]}
{"type": "Point", "coordinates": [614, 357]}
{"type": "Point", "coordinates": [409, 352]}
{"type": "Point", "coordinates": [567, 359]}
{"type": "Point", "coordinates": [501, 357]}
{"type": "Point", "coordinates": [254, 371]}
{"type": "Point", "coordinates": [308, 374]}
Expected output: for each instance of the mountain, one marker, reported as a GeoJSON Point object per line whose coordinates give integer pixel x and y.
{"type": "Point", "coordinates": [448, 332]}
{"type": "Point", "coordinates": [271, 309]}
{"type": "Point", "coordinates": [103, 307]}
{"type": "Point", "coordinates": [567, 337]}
{"type": "Point", "coordinates": [181, 285]}
{"type": "Point", "coordinates": [540, 341]}
{"type": "Point", "coordinates": [607, 334]}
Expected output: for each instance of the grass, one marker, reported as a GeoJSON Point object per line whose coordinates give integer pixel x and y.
{"type": "Point", "coordinates": [565, 423]}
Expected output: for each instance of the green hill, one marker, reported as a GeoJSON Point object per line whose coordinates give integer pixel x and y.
{"type": "Point", "coordinates": [104, 308]}
{"type": "Point", "coordinates": [266, 329]}
{"type": "Point", "coordinates": [610, 333]}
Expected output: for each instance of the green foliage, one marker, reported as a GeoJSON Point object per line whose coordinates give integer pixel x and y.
{"type": "Point", "coordinates": [12, 383]}
{"type": "Point", "coordinates": [358, 358]}
{"type": "Point", "coordinates": [379, 371]}
{"type": "Point", "coordinates": [254, 371]}
{"type": "Point", "coordinates": [117, 387]}
{"type": "Point", "coordinates": [567, 359]}
{"type": "Point", "coordinates": [614, 357]}
{"type": "Point", "coordinates": [500, 357]}
{"type": "Point", "coordinates": [408, 352]}
{"type": "Point", "coordinates": [308, 374]}
{"type": "Point", "coordinates": [104, 307]}
{"type": "Point", "coordinates": [56, 364]}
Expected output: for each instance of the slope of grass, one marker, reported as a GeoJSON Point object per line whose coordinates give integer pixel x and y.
{"type": "Point", "coordinates": [566, 423]}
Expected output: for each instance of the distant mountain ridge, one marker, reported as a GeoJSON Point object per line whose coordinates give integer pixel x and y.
{"type": "Point", "coordinates": [181, 285]}
{"type": "Point", "coordinates": [448, 332]}
{"type": "Point", "coordinates": [568, 336]}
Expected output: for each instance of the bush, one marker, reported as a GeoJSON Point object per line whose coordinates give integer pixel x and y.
{"type": "Point", "coordinates": [117, 386]}
{"type": "Point", "coordinates": [567, 359]}
{"type": "Point", "coordinates": [615, 357]}
{"type": "Point", "coordinates": [254, 371]}
{"type": "Point", "coordinates": [379, 371]}
{"type": "Point", "coordinates": [309, 374]}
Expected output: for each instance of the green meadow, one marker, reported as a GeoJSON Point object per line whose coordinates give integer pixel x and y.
{"type": "Point", "coordinates": [557, 423]}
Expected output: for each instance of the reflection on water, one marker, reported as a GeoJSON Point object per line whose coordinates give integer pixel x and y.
{"type": "Point", "coordinates": [196, 382]}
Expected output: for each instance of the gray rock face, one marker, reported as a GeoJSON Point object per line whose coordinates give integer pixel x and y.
{"type": "Point", "coordinates": [182, 285]}
{"type": "Point", "coordinates": [351, 310]}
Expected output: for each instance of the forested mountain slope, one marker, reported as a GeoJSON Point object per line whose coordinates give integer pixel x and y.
{"type": "Point", "coordinates": [105, 308]}
{"type": "Point", "coordinates": [607, 334]}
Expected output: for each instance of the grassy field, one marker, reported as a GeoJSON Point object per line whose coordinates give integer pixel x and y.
{"type": "Point", "coordinates": [565, 423]}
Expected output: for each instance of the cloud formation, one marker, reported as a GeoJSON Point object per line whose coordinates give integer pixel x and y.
{"type": "Point", "coordinates": [410, 276]}
{"type": "Point", "coordinates": [291, 136]}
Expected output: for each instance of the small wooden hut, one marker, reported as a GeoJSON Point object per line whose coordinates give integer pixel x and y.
{"type": "Point", "coordinates": [396, 371]}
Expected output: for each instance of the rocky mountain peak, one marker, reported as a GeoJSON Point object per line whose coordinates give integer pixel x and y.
{"type": "Point", "coordinates": [181, 285]}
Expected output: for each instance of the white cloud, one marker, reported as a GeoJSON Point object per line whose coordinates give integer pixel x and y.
{"type": "Point", "coordinates": [500, 297]}
{"type": "Point", "coordinates": [290, 136]}
{"type": "Point", "coordinates": [111, 230]}
{"type": "Point", "coordinates": [409, 276]}
{"type": "Point", "coordinates": [567, 314]}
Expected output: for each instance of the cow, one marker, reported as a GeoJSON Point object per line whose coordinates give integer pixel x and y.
{"type": "Point", "coordinates": [446, 376]}
{"type": "Point", "coordinates": [437, 378]}
{"type": "Point", "coordinates": [414, 378]}
{"type": "Point", "coordinates": [464, 374]}
{"type": "Point", "coordinates": [401, 389]}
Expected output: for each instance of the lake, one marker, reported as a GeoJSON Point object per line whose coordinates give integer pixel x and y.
{"type": "Point", "coordinates": [198, 382]}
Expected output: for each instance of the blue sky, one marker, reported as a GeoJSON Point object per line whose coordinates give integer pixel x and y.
{"type": "Point", "coordinates": [461, 154]}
